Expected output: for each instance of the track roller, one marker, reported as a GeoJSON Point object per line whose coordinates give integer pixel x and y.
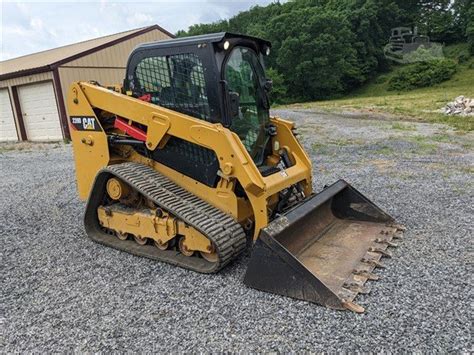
{"type": "Point", "coordinates": [184, 249]}
{"type": "Point", "coordinates": [140, 240]}
{"type": "Point", "coordinates": [121, 236]}
{"type": "Point", "coordinates": [160, 245]}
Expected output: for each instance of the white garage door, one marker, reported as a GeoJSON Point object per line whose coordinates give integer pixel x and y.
{"type": "Point", "coordinates": [7, 121]}
{"type": "Point", "coordinates": [40, 112]}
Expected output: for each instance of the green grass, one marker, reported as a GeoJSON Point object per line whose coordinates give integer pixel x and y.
{"type": "Point", "coordinates": [6, 147]}
{"type": "Point", "coordinates": [417, 105]}
{"type": "Point", "coordinates": [403, 126]}
{"type": "Point", "coordinates": [384, 150]}
{"type": "Point", "coordinates": [441, 138]}
{"type": "Point", "coordinates": [329, 145]}
{"type": "Point", "coordinates": [423, 145]}
{"type": "Point", "coordinates": [468, 169]}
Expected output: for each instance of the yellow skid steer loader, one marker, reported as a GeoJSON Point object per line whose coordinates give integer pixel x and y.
{"type": "Point", "coordinates": [183, 164]}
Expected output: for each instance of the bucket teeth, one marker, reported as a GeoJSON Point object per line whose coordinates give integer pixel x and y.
{"type": "Point", "coordinates": [388, 242]}
{"type": "Point", "coordinates": [366, 274]}
{"type": "Point", "coordinates": [398, 235]}
{"type": "Point", "coordinates": [354, 287]}
{"type": "Point", "coordinates": [401, 228]}
{"type": "Point", "coordinates": [381, 251]}
{"type": "Point", "coordinates": [397, 226]}
{"type": "Point", "coordinates": [352, 306]}
{"type": "Point", "coordinates": [373, 262]}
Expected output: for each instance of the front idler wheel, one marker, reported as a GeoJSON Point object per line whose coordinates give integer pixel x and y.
{"type": "Point", "coordinates": [210, 256]}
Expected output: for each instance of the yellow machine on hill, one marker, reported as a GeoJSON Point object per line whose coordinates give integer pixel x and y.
{"type": "Point", "coordinates": [186, 166]}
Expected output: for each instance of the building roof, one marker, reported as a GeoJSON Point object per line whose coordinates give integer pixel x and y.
{"type": "Point", "coordinates": [49, 59]}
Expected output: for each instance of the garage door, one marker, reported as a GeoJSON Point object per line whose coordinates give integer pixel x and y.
{"type": "Point", "coordinates": [40, 112]}
{"type": "Point", "coordinates": [7, 121]}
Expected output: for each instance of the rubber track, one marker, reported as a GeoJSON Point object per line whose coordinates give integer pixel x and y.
{"type": "Point", "coordinates": [227, 235]}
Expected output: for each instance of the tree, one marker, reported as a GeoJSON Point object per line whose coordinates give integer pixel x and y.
{"type": "Point", "coordinates": [279, 91]}
{"type": "Point", "coordinates": [319, 53]}
{"type": "Point", "coordinates": [322, 48]}
{"type": "Point", "coordinates": [469, 32]}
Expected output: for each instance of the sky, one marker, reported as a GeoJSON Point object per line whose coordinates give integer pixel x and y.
{"type": "Point", "coordinates": [33, 26]}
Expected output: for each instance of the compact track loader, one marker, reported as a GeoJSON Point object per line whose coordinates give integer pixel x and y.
{"type": "Point", "coordinates": [183, 164]}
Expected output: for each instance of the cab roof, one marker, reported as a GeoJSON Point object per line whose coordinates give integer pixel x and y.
{"type": "Point", "coordinates": [207, 38]}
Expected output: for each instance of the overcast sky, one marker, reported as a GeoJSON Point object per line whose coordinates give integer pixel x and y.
{"type": "Point", "coordinates": [33, 26]}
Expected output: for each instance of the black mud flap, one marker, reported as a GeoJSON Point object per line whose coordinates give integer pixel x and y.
{"type": "Point", "coordinates": [323, 250]}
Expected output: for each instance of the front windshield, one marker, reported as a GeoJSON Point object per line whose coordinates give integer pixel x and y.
{"type": "Point", "coordinates": [245, 75]}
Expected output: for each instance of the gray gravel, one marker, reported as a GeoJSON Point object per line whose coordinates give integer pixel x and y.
{"type": "Point", "coordinates": [62, 292]}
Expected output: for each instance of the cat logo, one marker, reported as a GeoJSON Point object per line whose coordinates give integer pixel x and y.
{"type": "Point", "coordinates": [88, 123]}
{"type": "Point", "coordinates": [85, 123]}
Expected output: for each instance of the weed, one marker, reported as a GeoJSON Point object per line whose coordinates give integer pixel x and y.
{"type": "Point", "coordinates": [384, 150]}
{"type": "Point", "coordinates": [468, 169]}
{"type": "Point", "coordinates": [441, 138]}
{"type": "Point", "coordinates": [6, 148]}
{"type": "Point", "coordinates": [316, 146]}
{"type": "Point", "coordinates": [403, 126]}
{"type": "Point", "coordinates": [423, 145]}
{"type": "Point", "coordinates": [405, 176]}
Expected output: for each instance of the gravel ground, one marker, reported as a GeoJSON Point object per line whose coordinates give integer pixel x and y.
{"type": "Point", "coordinates": [62, 292]}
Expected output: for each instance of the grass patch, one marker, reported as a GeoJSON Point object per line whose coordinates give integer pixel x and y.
{"type": "Point", "coordinates": [322, 147]}
{"type": "Point", "coordinates": [405, 176]}
{"type": "Point", "coordinates": [342, 142]}
{"type": "Point", "coordinates": [384, 150]}
{"type": "Point", "coordinates": [441, 138]}
{"type": "Point", "coordinates": [6, 148]}
{"type": "Point", "coordinates": [423, 145]}
{"type": "Point", "coordinates": [27, 146]}
{"type": "Point", "coordinates": [403, 126]}
{"type": "Point", "coordinates": [468, 169]}
{"type": "Point", "coordinates": [421, 104]}
{"type": "Point", "coordinates": [317, 147]}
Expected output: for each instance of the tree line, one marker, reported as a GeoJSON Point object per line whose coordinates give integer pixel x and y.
{"type": "Point", "coordinates": [325, 48]}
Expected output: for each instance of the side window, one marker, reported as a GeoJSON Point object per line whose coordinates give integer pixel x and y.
{"type": "Point", "coordinates": [242, 78]}
{"type": "Point", "coordinates": [175, 82]}
{"type": "Point", "coordinates": [152, 74]}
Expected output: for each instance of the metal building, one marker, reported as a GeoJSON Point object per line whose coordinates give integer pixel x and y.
{"type": "Point", "coordinates": [33, 87]}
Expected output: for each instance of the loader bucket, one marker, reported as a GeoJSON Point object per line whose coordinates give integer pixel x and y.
{"type": "Point", "coordinates": [323, 250]}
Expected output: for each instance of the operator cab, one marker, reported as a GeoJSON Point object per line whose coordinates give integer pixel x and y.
{"type": "Point", "coordinates": [217, 77]}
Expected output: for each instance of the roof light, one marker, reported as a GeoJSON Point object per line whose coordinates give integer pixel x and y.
{"type": "Point", "coordinates": [267, 51]}
{"type": "Point", "coordinates": [226, 45]}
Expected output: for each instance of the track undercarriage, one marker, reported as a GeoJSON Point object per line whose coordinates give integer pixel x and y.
{"type": "Point", "coordinates": [135, 209]}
